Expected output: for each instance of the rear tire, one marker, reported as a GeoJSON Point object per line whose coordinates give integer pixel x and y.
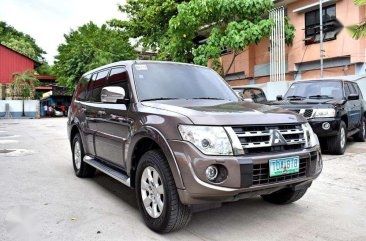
{"type": "Point", "coordinates": [81, 168]}
{"type": "Point", "coordinates": [337, 144]}
{"type": "Point", "coordinates": [155, 182]}
{"type": "Point", "coordinates": [361, 135]}
{"type": "Point", "coordinates": [284, 196]}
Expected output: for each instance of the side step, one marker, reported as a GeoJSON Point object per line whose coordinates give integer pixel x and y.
{"type": "Point", "coordinates": [108, 170]}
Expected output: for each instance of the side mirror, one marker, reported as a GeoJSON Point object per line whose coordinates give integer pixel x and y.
{"type": "Point", "coordinates": [354, 97]}
{"type": "Point", "coordinates": [279, 97]}
{"type": "Point", "coordinates": [112, 94]}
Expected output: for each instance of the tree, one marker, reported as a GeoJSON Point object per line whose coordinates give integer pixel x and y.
{"type": "Point", "coordinates": [24, 85]}
{"type": "Point", "coordinates": [23, 43]}
{"type": "Point", "coordinates": [233, 24]}
{"type": "Point", "coordinates": [148, 21]}
{"type": "Point", "coordinates": [89, 47]}
{"type": "Point", "coordinates": [359, 30]}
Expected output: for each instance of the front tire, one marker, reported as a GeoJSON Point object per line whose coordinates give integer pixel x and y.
{"type": "Point", "coordinates": [361, 135]}
{"type": "Point", "coordinates": [337, 144]}
{"type": "Point", "coordinates": [157, 194]}
{"type": "Point", "coordinates": [81, 168]}
{"type": "Point", "coordinates": [284, 196]}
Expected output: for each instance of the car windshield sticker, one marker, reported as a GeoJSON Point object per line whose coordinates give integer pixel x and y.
{"type": "Point", "coordinates": [141, 67]}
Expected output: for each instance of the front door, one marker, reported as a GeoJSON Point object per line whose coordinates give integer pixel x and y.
{"type": "Point", "coordinates": [113, 123]}
{"type": "Point", "coordinates": [352, 107]}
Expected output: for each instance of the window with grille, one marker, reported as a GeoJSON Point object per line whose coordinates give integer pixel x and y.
{"type": "Point", "coordinates": [331, 26]}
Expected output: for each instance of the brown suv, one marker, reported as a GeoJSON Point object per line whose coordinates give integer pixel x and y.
{"type": "Point", "coordinates": [179, 136]}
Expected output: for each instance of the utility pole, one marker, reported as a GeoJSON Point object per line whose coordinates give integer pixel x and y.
{"type": "Point", "coordinates": [321, 37]}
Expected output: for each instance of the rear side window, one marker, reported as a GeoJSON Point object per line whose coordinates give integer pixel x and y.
{"type": "Point", "coordinates": [97, 84]}
{"type": "Point", "coordinates": [82, 89]}
{"type": "Point", "coordinates": [119, 77]}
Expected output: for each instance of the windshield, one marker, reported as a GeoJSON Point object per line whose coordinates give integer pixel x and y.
{"type": "Point", "coordinates": [159, 81]}
{"type": "Point", "coordinates": [321, 89]}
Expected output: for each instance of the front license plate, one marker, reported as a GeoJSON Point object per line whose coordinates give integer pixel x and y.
{"type": "Point", "coordinates": [283, 166]}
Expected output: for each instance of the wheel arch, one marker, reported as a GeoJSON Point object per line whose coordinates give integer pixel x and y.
{"type": "Point", "coordinates": [345, 119]}
{"type": "Point", "coordinates": [150, 138]}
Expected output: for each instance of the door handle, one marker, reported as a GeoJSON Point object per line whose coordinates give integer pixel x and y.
{"type": "Point", "coordinates": [121, 119]}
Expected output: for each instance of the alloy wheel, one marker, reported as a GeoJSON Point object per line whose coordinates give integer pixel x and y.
{"type": "Point", "coordinates": [152, 192]}
{"type": "Point", "coordinates": [343, 138]}
{"type": "Point", "coordinates": [77, 155]}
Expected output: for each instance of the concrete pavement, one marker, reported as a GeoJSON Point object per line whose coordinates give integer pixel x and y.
{"type": "Point", "coordinates": [42, 199]}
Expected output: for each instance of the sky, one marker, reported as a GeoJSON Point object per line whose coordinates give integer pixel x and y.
{"type": "Point", "coordinates": [48, 20]}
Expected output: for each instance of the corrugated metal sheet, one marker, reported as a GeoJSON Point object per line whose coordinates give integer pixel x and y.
{"type": "Point", "coordinates": [11, 62]}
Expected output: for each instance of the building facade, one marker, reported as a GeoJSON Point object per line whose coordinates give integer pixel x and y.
{"type": "Point", "coordinates": [11, 62]}
{"type": "Point", "coordinates": [343, 55]}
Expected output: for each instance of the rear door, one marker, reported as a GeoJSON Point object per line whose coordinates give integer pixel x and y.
{"type": "Point", "coordinates": [113, 124]}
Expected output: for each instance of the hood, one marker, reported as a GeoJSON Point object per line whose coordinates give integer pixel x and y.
{"type": "Point", "coordinates": [217, 112]}
{"type": "Point", "coordinates": [306, 103]}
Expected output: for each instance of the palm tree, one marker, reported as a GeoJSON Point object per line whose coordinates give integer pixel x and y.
{"type": "Point", "coordinates": [24, 85]}
{"type": "Point", "coordinates": [359, 30]}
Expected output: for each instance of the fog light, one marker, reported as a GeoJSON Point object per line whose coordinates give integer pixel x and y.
{"type": "Point", "coordinates": [211, 173]}
{"type": "Point", "coordinates": [326, 125]}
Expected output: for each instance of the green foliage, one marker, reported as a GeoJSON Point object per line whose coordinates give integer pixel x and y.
{"type": "Point", "coordinates": [24, 84]}
{"type": "Point", "coordinates": [20, 42]}
{"type": "Point", "coordinates": [358, 31]}
{"type": "Point", "coordinates": [233, 24]}
{"type": "Point", "coordinates": [148, 20]}
{"type": "Point", "coordinates": [45, 69]}
{"type": "Point", "coordinates": [89, 47]}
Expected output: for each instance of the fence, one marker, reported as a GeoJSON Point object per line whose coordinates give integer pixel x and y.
{"type": "Point", "coordinates": [14, 108]}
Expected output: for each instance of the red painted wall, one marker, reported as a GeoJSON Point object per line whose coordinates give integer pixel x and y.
{"type": "Point", "coordinates": [11, 62]}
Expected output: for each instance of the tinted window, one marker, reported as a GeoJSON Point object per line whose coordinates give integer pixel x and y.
{"type": "Point", "coordinates": [356, 88]}
{"type": "Point", "coordinates": [316, 89]}
{"type": "Point", "coordinates": [82, 90]}
{"type": "Point", "coordinates": [352, 89]}
{"type": "Point", "coordinates": [119, 77]}
{"type": "Point", "coordinates": [346, 89]}
{"type": "Point", "coordinates": [97, 85]}
{"type": "Point", "coordinates": [256, 95]}
{"type": "Point", "coordinates": [179, 81]}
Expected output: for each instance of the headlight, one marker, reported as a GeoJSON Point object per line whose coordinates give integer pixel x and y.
{"type": "Point", "coordinates": [211, 140]}
{"type": "Point", "coordinates": [324, 112]}
{"type": "Point", "coordinates": [311, 139]}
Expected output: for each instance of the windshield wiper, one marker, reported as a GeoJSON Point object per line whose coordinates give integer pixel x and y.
{"type": "Point", "coordinates": [295, 97]}
{"type": "Point", "coordinates": [207, 98]}
{"type": "Point", "coordinates": [160, 98]}
{"type": "Point", "coordinates": [320, 97]}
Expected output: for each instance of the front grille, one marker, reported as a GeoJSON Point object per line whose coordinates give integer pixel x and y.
{"type": "Point", "coordinates": [263, 139]}
{"type": "Point", "coordinates": [261, 173]}
{"type": "Point", "coordinates": [307, 113]}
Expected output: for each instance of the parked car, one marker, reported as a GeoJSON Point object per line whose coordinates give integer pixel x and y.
{"type": "Point", "coordinates": [179, 136]}
{"type": "Point", "coordinates": [335, 109]}
{"type": "Point", "coordinates": [253, 94]}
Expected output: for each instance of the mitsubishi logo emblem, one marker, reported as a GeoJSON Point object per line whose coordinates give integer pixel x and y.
{"type": "Point", "coordinates": [277, 138]}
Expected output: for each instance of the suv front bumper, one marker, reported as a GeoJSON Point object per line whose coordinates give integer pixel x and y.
{"type": "Point", "coordinates": [240, 181]}
{"type": "Point", "coordinates": [317, 125]}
